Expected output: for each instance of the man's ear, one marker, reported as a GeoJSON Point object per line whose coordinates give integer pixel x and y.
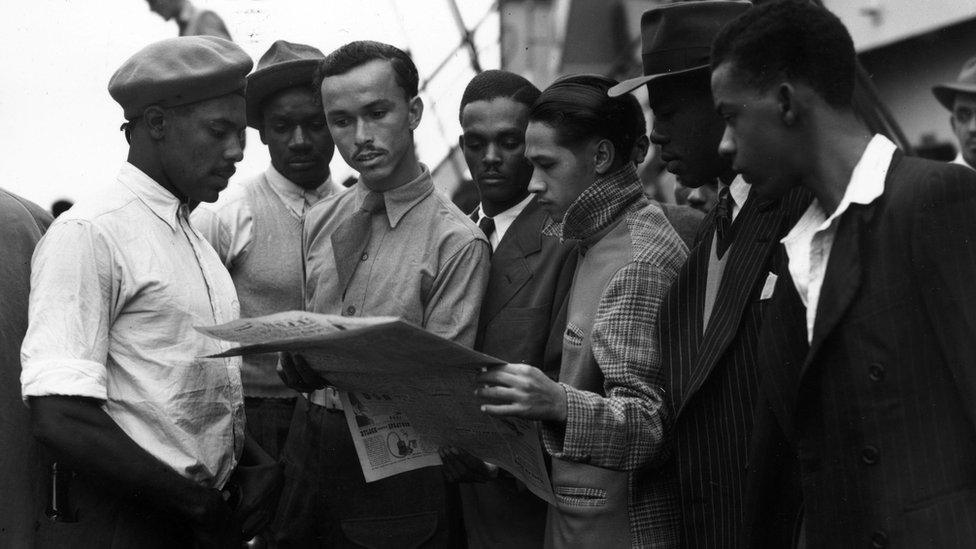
{"type": "Point", "coordinates": [787, 99]}
{"type": "Point", "coordinates": [603, 156]}
{"type": "Point", "coordinates": [156, 121]}
{"type": "Point", "coordinates": [415, 110]}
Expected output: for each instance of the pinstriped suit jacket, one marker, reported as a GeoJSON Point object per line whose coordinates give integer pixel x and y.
{"type": "Point", "coordinates": [714, 373]}
{"type": "Point", "coordinates": [881, 406]}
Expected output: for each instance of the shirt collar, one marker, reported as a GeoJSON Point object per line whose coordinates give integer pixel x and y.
{"type": "Point", "coordinates": [402, 199]}
{"type": "Point", "coordinates": [503, 220]}
{"type": "Point", "coordinates": [602, 203]}
{"type": "Point", "coordinates": [162, 202]}
{"type": "Point", "coordinates": [865, 186]}
{"type": "Point", "coordinates": [961, 161]}
{"type": "Point", "coordinates": [296, 197]}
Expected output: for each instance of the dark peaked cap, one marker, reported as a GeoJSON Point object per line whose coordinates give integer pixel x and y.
{"type": "Point", "coordinates": [179, 71]}
{"type": "Point", "coordinates": [677, 38]}
{"type": "Point", "coordinates": [284, 65]}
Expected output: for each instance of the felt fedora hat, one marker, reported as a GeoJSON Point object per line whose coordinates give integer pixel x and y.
{"type": "Point", "coordinates": [966, 83]}
{"type": "Point", "coordinates": [677, 38]}
{"type": "Point", "coordinates": [284, 65]}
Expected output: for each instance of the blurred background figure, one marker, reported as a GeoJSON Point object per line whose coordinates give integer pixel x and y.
{"type": "Point", "coordinates": [191, 20]}
{"type": "Point", "coordinates": [960, 98]}
{"type": "Point", "coordinates": [60, 206]}
{"type": "Point", "coordinates": [21, 467]}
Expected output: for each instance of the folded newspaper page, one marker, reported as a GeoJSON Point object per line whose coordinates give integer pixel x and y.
{"type": "Point", "coordinates": [405, 392]}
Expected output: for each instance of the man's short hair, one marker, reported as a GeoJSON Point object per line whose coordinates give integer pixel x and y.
{"type": "Point", "coordinates": [578, 108]}
{"type": "Point", "coordinates": [493, 84]}
{"type": "Point", "coordinates": [356, 54]}
{"type": "Point", "coordinates": [792, 39]}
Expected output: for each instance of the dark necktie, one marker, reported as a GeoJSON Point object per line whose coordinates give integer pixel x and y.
{"type": "Point", "coordinates": [351, 237]}
{"type": "Point", "coordinates": [723, 221]}
{"type": "Point", "coordinates": [487, 226]}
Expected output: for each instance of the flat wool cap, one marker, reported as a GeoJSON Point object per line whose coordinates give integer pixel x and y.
{"type": "Point", "coordinates": [179, 71]}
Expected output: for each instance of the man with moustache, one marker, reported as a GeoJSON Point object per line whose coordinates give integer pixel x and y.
{"type": "Point", "coordinates": [112, 367]}
{"type": "Point", "coordinates": [522, 316]}
{"type": "Point", "coordinates": [711, 317]}
{"type": "Point", "coordinates": [256, 227]}
{"type": "Point", "coordinates": [392, 246]}
{"type": "Point", "coordinates": [867, 357]}
{"type": "Point", "coordinates": [960, 98]}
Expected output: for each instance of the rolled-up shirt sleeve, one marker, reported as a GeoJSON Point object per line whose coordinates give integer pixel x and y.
{"type": "Point", "coordinates": [72, 297]}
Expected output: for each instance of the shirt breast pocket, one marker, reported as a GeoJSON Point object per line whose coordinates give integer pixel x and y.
{"type": "Point", "coordinates": [573, 337]}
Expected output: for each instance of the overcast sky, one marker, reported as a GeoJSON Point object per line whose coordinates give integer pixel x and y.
{"type": "Point", "coordinates": [60, 128]}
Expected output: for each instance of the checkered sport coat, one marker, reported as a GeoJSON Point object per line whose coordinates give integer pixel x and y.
{"type": "Point", "coordinates": [623, 424]}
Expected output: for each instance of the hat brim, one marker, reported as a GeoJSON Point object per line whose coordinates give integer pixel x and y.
{"type": "Point", "coordinates": [265, 82]}
{"type": "Point", "coordinates": [946, 93]}
{"type": "Point", "coordinates": [628, 86]}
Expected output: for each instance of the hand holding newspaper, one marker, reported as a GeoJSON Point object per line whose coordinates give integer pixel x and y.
{"type": "Point", "coordinates": [405, 392]}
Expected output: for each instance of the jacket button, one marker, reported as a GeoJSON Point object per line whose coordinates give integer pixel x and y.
{"type": "Point", "coordinates": [869, 455]}
{"type": "Point", "coordinates": [364, 257]}
{"type": "Point", "coordinates": [876, 372]}
{"type": "Point", "coordinates": [350, 310]}
{"type": "Point", "coordinates": [879, 539]}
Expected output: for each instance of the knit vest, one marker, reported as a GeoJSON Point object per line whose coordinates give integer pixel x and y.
{"type": "Point", "coordinates": [268, 278]}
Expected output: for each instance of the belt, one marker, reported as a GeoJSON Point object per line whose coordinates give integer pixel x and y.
{"type": "Point", "coordinates": [327, 398]}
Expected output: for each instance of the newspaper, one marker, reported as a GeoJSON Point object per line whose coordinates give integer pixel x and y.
{"type": "Point", "coordinates": [405, 392]}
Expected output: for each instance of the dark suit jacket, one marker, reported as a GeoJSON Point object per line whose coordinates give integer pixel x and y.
{"type": "Point", "coordinates": [881, 406]}
{"type": "Point", "coordinates": [523, 318]}
{"type": "Point", "coordinates": [714, 374]}
{"type": "Point", "coordinates": [686, 221]}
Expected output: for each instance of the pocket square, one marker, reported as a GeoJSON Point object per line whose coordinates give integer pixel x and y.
{"type": "Point", "coordinates": [768, 287]}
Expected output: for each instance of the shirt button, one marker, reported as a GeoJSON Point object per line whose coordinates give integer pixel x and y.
{"type": "Point", "coordinates": [876, 371]}
{"type": "Point", "coordinates": [364, 257]}
{"type": "Point", "coordinates": [350, 310]}
{"type": "Point", "coordinates": [869, 455]}
{"type": "Point", "coordinates": [879, 539]}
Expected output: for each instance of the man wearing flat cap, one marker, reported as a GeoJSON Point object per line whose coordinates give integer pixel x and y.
{"type": "Point", "coordinates": [191, 20]}
{"type": "Point", "coordinates": [711, 316]}
{"type": "Point", "coordinates": [960, 98]}
{"type": "Point", "coordinates": [112, 368]}
{"type": "Point", "coordinates": [256, 227]}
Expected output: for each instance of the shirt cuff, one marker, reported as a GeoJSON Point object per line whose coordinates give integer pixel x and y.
{"type": "Point", "coordinates": [68, 377]}
{"type": "Point", "coordinates": [571, 440]}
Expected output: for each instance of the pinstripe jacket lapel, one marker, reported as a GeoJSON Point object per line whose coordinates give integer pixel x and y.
{"type": "Point", "coordinates": [757, 225]}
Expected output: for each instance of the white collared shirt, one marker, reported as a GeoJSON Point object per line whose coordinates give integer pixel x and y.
{"type": "Point", "coordinates": [117, 285]}
{"type": "Point", "coordinates": [961, 161]}
{"type": "Point", "coordinates": [503, 220]}
{"type": "Point", "coordinates": [809, 242]}
{"type": "Point", "coordinates": [739, 191]}
{"type": "Point", "coordinates": [228, 223]}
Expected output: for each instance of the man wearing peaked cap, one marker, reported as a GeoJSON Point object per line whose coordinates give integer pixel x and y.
{"type": "Point", "coordinates": [960, 98]}
{"type": "Point", "coordinates": [711, 315]}
{"type": "Point", "coordinates": [153, 434]}
{"type": "Point", "coordinates": [256, 227]}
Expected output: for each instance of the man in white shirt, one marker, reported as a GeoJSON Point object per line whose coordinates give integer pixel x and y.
{"type": "Point", "coordinates": [960, 98]}
{"type": "Point", "coordinates": [867, 361]}
{"type": "Point", "coordinates": [112, 367]}
{"type": "Point", "coordinates": [256, 226]}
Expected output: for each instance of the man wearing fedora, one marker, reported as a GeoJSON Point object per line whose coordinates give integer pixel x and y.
{"type": "Point", "coordinates": [256, 227]}
{"type": "Point", "coordinates": [117, 379]}
{"type": "Point", "coordinates": [711, 316]}
{"type": "Point", "coordinates": [960, 98]}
